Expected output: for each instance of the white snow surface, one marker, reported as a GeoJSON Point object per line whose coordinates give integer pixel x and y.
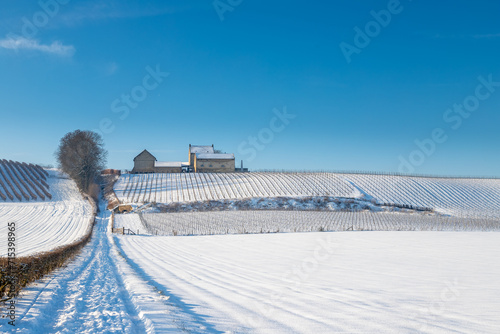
{"type": "Point", "coordinates": [18, 184]}
{"type": "Point", "coordinates": [87, 296]}
{"type": "Point", "coordinates": [472, 198]}
{"type": "Point", "coordinates": [224, 156]}
{"type": "Point", "coordinates": [454, 196]}
{"type": "Point", "coordinates": [318, 282]}
{"type": "Point", "coordinates": [42, 226]}
{"type": "Point", "coordinates": [189, 187]}
{"type": "Point", "coordinates": [345, 282]}
{"type": "Point", "coordinates": [201, 149]}
{"type": "Point", "coordinates": [169, 164]}
{"type": "Point", "coordinates": [130, 221]}
{"type": "Point", "coordinates": [262, 221]}
{"type": "Point", "coordinates": [98, 292]}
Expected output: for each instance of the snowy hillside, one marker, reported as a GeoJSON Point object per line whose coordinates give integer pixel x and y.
{"type": "Point", "coordinates": [44, 225]}
{"type": "Point", "coordinates": [182, 187]}
{"type": "Point", "coordinates": [23, 182]}
{"type": "Point", "coordinates": [459, 197]}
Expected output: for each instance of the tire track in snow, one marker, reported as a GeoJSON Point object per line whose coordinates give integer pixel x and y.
{"type": "Point", "coordinates": [85, 297]}
{"type": "Point", "coordinates": [177, 313]}
{"type": "Point", "coordinates": [210, 280]}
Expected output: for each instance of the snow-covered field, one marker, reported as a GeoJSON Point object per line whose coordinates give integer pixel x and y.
{"type": "Point", "coordinates": [458, 197]}
{"type": "Point", "coordinates": [182, 187]}
{"type": "Point", "coordinates": [319, 282]}
{"type": "Point", "coordinates": [344, 282]}
{"type": "Point", "coordinates": [315, 282]}
{"type": "Point", "coordinates": [261, 221]}
{"type": "Point", "coordinates": [478, 198]}
{"type": "Point", "coordinates": [130, 221]}
{"type": "Point", "coordinates": [44, 225]}
{"type": "Point", "coordinates": [20, 181]}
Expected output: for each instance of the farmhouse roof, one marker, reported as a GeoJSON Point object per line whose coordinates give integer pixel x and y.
{"type": "Point", "coordinates": [145, 153]}
{"type": "Point", "coordinates": [201, 149]}
{"type": "Point", "coordinates": [225, 156]}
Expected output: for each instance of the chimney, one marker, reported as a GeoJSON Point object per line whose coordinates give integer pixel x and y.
{"type": "Point", "coordinates": [242, 165]}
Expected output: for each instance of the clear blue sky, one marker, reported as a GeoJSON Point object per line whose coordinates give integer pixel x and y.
{"type": "Point", "coordinates": [86, 65]}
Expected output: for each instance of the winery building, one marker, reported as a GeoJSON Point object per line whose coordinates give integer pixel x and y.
{"type": "Point", "coordinates": [201, 159]}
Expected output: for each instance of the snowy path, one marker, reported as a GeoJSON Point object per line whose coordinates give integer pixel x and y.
{"type": "Point", "coordinates": [85, 297]}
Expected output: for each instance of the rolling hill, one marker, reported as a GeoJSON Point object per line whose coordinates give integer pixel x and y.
{"type": "Point", "coordinates": [45, 205]}
{"type": "Point", "coordinates": [468, 198]}
{"type": "Point", "coordinates": [20, 181]}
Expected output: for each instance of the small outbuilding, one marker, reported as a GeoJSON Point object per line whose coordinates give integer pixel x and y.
{"type": "Point", "coordinates": [123, 208]}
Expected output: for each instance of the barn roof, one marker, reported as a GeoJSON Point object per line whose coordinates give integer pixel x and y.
{"type": "Point", "coordinates": [171, 164]}
{"type": "Point", "coordinates": [145, 154]}
{"type": "Point", "coordinates": [201, 149]}
{"type": "Point", "coordinates": [225, 156]}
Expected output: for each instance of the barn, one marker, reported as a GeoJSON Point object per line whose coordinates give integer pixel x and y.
{"type": "Point", "coordinates": [145, 162]}
{"type": "Point", "coordinates": [201, 159]}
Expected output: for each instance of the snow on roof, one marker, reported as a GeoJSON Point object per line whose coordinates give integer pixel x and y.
{"type": "Point", "coordinates": [214, 156]}
{"type": "Point", "coordinates": [201, 149]}
{"type": "Point", "coordinates": [171, 164]}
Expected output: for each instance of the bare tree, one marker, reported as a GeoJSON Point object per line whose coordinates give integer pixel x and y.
{"type": "Point", "coordinates": [82, 156]}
